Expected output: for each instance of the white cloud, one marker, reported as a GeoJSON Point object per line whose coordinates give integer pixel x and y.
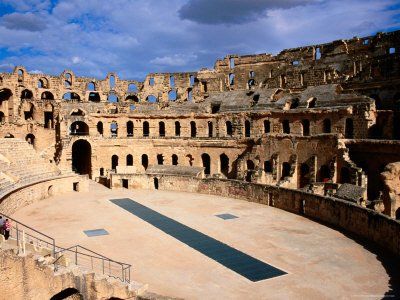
{"type": "Point", "coordinates": [173, 60]}
{"type": "Point", "coordinates": [76, 60]}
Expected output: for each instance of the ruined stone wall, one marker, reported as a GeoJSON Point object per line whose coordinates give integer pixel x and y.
{"type": "Point", "coordinates": [26, 277]}
{"type": "Point", "coordinates": [37, 191]}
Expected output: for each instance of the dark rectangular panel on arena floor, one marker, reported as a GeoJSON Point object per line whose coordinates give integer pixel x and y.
{"type": "Point", "coordinates": [239, 262]}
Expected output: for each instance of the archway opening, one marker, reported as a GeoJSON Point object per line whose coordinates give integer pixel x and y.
{"type": "Point", "coordinates": [68, 293]}
{"type": "Point", "coordinates": [304, 175]}
{"type": "Point", "coordinates": [30, 138]}
{"type": "Point", "coordinates": [82, 157]}
{"type": "Point", "coordinates": [206, 163]}
{"type": "Point", "coordinates": [79, 128]}
{"type": "Point", "coordinates": [224, 162]}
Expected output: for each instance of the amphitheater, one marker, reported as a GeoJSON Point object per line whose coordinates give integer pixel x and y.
{"type": "Point", "coordinates": [266, 177]}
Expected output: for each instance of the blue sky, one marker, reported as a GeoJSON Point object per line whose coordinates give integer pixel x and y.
{"type": "Point", "coordinates": [135, 37]}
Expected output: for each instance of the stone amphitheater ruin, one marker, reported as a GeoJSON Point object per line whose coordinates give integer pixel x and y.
{"type": "Point", "coordinates": [314, 131]}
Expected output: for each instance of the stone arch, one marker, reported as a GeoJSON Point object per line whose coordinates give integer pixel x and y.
{"type": "Point", "coordinates": [206, 161]}
{"type": "Point", "coordinates": [68, 293]}
{"type": "Point", "coordinates": [129, 160]}
{"type": "Point", "coordinates": [151, 99]}
{"type": "Point", "coordinates": [193, 129]}
{"type": "Point", "coordinates": [129, 129]}
{"type": "Point", "coordinates": [224, 164]}
{"type": "Point", "coordinates": [94, 97]}
{"type": "Point", "coordinates": [174, 159]}
{"type": "Point", "coordinates": [26, 94]}
{"type": "Point", "coordinates": [145, 161]}
{"type": "Point", "coordinates": [82, 157]}
{"type": "Point", "coordinates": [79, 128]}
{"type": "Point", "coordinates": [326, 126]}
{"type": "Point", "coordinates": [91, 86]}
{"type": "Point", "coordinates": [5, 95]}
{"type": "Point", "coordinates": [146, 129]}
{"type": "Point", "coordinates": [43, 83]}
{"type": "Point", "coordinates": [114, 162]}
{"type": "Point", "coordinates": [30, 138]}
{"type": "Point", "coordinates": [46, 95]}
{"type": "Point", "coordinates": [100, 128]}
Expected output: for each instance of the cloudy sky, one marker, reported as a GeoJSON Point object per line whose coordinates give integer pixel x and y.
{"type": "Point", "coordinates": [135, 37]}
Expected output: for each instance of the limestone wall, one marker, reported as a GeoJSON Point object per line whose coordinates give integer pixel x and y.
{"type": "Point", "coordinates": [350, 217]}
{"type": "Point", "coordinates": [24, 277]}
{"type": "Point", "coordinates": [37, 191]}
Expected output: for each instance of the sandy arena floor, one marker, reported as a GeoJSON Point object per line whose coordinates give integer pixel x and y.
{"type": "Point", "coordinates": [321, 263]}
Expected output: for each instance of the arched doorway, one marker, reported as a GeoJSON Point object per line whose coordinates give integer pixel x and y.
{"type": "Point", "coordinates": [304, 179]}
{"type": "Point", "coordinates": [68, 293]}
{"type": "Point", "coordinates": [205, 158]}
{"type": "Point", "coordinates": [82, 157]}
{"type": "Point", "coordinates": [224, 164]}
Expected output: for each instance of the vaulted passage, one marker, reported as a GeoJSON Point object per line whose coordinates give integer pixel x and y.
{"type": "Point", "coordinates": [81, 157]}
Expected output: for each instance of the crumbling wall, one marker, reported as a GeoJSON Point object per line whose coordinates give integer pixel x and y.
{"type": "Point", "coordinates": [29, 277]}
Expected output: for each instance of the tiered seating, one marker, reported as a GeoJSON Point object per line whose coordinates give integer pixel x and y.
{"type": "Point", "coordinates": [20, 165]}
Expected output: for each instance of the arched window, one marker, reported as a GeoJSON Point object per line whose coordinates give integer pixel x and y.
{"type": "Point", "coordinates": [30, 138]}
{"type": "Point", "coordinates": [146, 129]}
{"type": "Point", "coordinates": [160, 159]}
{"type": "Point", "coordinates": [210, 129]}
{"type": "Point", "coordinates": [172, 95]}
{"type": "Point", "coordinates": [171, 81]}
{"type": "Point", "coordinates": [71, 96]}
{"type": "Point", "coordinates": [100, 127]}
{"type": "Point", "coordinates": [193, 129]}
{"type": "Point", "coordinates": [5, 95]}
{"type": "Point", "coordinates": [129, 128]}
{"type": "Point", "coordinates": [94, 97]}
{"type": "Point", "coordinates": [267, 126]}
{"type": "Point", "coordinates": [91, 86]}
{"type": "Point", "coordinates": [174, 159]}
{"type": "Point", "coordinates": [286, 126]}
{"type": "Point", "coordinates": [132, 98]}
{"type": "Point", "coordinates": [132, 88]}
{"type": "Point", "coordinates": [129, 160]}
{"type": "Point", "coordinates": [189, 95]}
{"type": "Point", "coordinates": [20, 75]}
{"type": "Point", "coordinates": [47, 96]}
{"type": "Point", "coordinates": [247, 128]}
{"type": "Point", "coordinates": [145, 161]}
{"type": "Point", "coordinates": [191, 80]}
{"type": "Point", "coordinates": [286, 167]}
{"type": "Point", "coordinates": [306, 127]}
{"type": "Point", "coordinates": [26, 94]}
{"type": "Point", "coordinates": [231, 79]}
{"type": "Point", "coordinates": [114, 129]}
{"type": "Point", "coordinates": [229, 128]}
{"type": "Point", "coordinates": [112, 98]}
{"type": "Point", "coordinates": [112, 82]}
{"type": "Point", "coordinates": [151, 81]}
{"type": "Point", "coordinates": [43, 83]}
{"type": "Point", "coordinates": [326, 126]}
{"type": "Point", "coordinates": [114, 162]}
{"type": "Point", "coordinates": [205, 158]}
{"type": "Point", "coordinates": [68, 80]}
{"type": "Point", "coordinates": [151, 99]}
{"type": "Point", "coordinates": [161, 129]}
{"type": "Point", "coordinates": [177, 128]}
{"type": "Point", "coordinates": [79, 128]}
{"type": "Point", "coordinates": [224, 164]}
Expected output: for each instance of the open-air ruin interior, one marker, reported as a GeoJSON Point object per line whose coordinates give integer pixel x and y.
{"type": "Point", "coordinates": [313, 130]}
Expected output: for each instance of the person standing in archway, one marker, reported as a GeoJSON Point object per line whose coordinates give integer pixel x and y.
{"type": "Point", "coordinates": [7, 229]}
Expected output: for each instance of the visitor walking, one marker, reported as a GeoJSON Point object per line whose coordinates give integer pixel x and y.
{"type": "Point", "coordinates": [1, 225]}
{"type": "Point", "coordinates": [7, 229]}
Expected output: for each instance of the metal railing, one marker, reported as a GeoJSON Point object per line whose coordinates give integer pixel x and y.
{"type": "Point", "coordinates": [93, 261]}
{"type": "Point", "coordinates": [26, 236]}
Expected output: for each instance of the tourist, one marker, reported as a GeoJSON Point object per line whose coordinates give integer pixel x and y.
{"type": "Point", "coordinates": [7, 229]}
{"type": "Point", "coordinates": [1, 225]}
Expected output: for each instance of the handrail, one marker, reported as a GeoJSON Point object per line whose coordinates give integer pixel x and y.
{"type": "Point", "coordinates": [118, 270]}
